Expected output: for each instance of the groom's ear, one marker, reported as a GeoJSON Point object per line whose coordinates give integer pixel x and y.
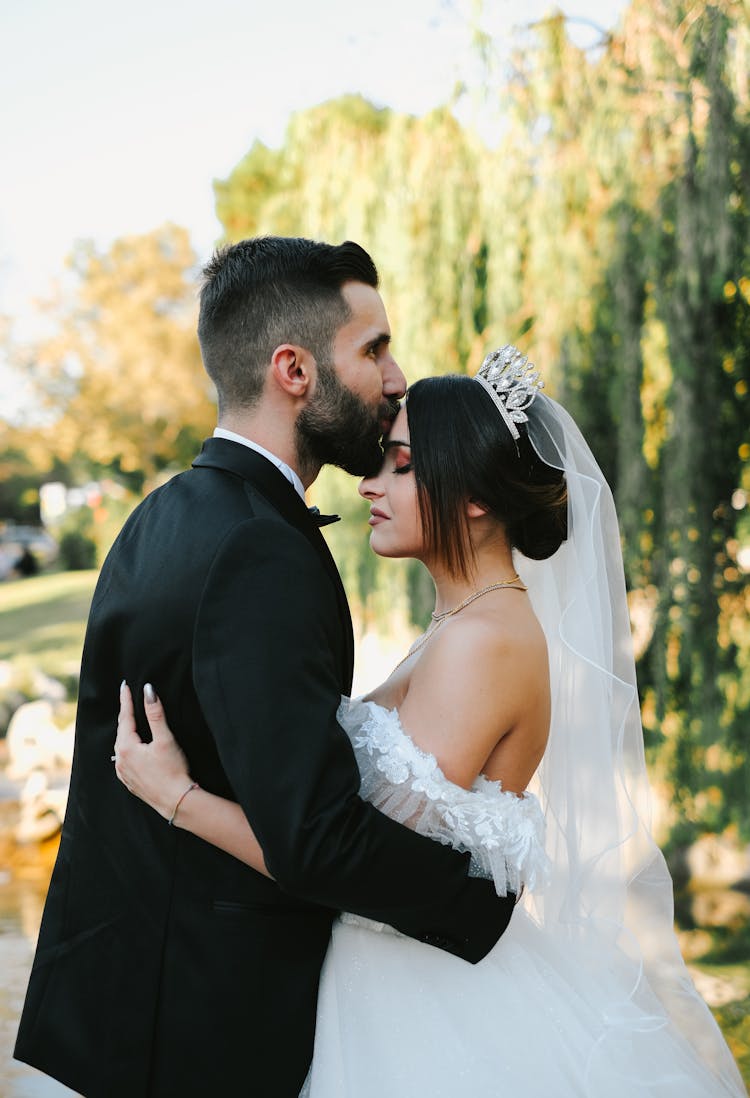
{"type": "Point", "coordinates": [293, 369]}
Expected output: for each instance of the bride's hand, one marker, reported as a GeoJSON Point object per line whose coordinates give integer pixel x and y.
{"type": "Point", "coordinates": [157, 772]}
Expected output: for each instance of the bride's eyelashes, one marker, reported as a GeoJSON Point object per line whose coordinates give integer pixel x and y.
{"type": "Point", "coordinates": [406, 468]}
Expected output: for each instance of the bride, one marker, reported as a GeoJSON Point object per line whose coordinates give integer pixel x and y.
{"type": "Point", "coordinates": [510, 729]}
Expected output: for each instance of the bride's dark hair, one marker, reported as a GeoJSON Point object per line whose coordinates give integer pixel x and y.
{"type": "Point", "coordinates": [461, 449]}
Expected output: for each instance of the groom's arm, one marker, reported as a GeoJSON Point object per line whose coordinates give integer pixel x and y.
{"type": "Point", "coordinates": [267, 649]}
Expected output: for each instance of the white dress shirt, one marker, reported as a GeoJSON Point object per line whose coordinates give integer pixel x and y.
{"type": "Point", "coordinates": [289, 473]}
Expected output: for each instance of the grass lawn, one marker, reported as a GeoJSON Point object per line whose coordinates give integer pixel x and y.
{"type": "Point", "coordinates": [734, 1020]}
{"type": "Point", "coordinates": [43, 620]}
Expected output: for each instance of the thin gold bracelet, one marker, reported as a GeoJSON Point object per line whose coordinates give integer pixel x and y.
{"type": "Point", "coordinates": [190, 788]}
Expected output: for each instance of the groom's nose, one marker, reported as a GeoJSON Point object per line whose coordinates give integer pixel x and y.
{"type": "Point", "coordinates": [394, 382]}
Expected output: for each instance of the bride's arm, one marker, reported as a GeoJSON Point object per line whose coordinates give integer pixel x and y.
{"type": "Point", "coordinates": [158, 774]}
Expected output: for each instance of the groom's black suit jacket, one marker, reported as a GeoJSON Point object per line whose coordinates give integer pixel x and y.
{"type": "Point", "coordinates": [164, 966]}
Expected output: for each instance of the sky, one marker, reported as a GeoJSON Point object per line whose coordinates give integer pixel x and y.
{"type": "Point", "coordinates": [116, 118]}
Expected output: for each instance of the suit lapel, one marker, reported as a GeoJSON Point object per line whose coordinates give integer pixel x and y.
{"type": "Point", "coordinates": [233, 457]}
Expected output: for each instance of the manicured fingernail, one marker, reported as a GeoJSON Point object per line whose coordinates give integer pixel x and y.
{"type": "Point", "coordinates": [123, 684]}
{"type": "Point", "coordinates": [149, 693]}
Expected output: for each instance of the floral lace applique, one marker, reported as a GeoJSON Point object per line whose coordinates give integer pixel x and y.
{"type": "Point", "coordinates": [504, 833]}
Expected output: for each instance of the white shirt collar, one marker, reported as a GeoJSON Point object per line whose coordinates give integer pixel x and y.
{"type": "Point", "coordinates": [288, 472]}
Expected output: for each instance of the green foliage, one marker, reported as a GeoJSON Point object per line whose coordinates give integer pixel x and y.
{"type": "Point", "coordinates": [640, 160]}
{"type": "Point", "coordinates": [77, 551]}
{"type": "Point", "coordinates": [19, 489]}
{"type": "Point", "coordinates": [734, 1019]}
{"type": "Point", "coordinates": [86, 533]}
{"type": "Point", "coordinates": [77, 541]}
{"type": "Point", "coordinates": [729, 945]}
{"type": "Point", "coordinates": [607, 233]}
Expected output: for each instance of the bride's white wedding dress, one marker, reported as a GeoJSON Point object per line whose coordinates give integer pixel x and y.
{"type": "Point", "coordinates": [545, 1015]}
{"type": "Point", "coordinates": [586, 994]}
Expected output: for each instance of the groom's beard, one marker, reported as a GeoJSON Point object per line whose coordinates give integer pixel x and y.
{"type": "Point", "coordinates": [337, 428]}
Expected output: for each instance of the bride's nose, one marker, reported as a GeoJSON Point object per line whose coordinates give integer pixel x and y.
{"type": "Point", "coordinates": [370, 487]}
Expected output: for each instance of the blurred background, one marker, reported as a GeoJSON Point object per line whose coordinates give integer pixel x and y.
{"type": "Point", "coordinates": [575, 181]}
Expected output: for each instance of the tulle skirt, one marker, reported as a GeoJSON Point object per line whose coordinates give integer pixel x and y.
{"type": "Point", "coordinates": [538, 1017]}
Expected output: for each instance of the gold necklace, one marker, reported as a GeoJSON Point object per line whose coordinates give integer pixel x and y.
{"type": "Point", "coordinates": [515, 578]}
{"type": "Point", "coordinates": [513, 584]}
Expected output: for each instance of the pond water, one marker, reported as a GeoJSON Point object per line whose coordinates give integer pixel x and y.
{"type": "Point", "coordinates": [24, 875]}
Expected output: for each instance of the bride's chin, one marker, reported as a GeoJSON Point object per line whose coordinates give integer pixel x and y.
{"type": "Point", "coordinates": [381, 548]}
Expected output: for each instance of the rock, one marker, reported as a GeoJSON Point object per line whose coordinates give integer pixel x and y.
{"type": "Point", "coordinates": [720, 907]}
{"type": "Point", "coordinates": [10, 701]}
{"type": "Point", "coordinates": [718, 861]}
{"type": "Point", "coordinates": [694, 944]}
{"type": "Point", "coordinates": [716, 990]}
{"type": "Point", "coordinates": [44, 686]}
{"type": "Point", "coordinates": [35, 742]}
{"type": "Point", "coordinates": [42, 809]}
{"type": "Point", "coordinates": [21, 682]}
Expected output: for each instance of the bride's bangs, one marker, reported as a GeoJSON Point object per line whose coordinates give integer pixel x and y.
{"type": "Point", "coordinates": [438, 459]}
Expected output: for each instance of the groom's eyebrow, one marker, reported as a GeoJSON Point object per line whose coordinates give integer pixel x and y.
{"type": "Point", "coordinates": [380, 340]}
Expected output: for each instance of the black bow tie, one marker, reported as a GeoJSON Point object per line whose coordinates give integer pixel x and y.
{"type": "Point", "coordinates": [323, 520]}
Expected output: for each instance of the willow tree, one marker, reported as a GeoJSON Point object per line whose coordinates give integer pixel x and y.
{"type": "Point", "coordinates": [633, 166]}
{"type": "Point", "coordinates": [673, 312]}
{"type": "Point", "coordinates": [701, 254]}
{"type": "Point", "coordinates": [606, 231]}
{"type": "Point", "coordinates": [407, 189]}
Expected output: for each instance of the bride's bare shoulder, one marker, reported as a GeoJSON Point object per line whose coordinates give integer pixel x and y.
{"type": "Point", "coordinates": [483, 644]}
{"type": "Point", "coordinates": [476, 646]}
{"type": "Point", "coordinates": [477, 681]}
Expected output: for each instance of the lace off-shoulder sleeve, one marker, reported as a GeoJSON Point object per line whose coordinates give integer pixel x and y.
{"type": "Point", "coordinates": [504, 833]}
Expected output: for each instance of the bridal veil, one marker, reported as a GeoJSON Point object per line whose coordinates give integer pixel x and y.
{"type": "Point", "coordinates": [610, 892]}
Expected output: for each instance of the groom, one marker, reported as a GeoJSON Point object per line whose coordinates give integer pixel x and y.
{"type": "Point", "coordinates": [165, 968]}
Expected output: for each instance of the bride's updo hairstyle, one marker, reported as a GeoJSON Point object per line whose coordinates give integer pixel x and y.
{"type": "Point", "coordinates": [461, 449]}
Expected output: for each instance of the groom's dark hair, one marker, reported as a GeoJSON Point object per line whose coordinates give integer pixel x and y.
{"type": "Point", "coordinates": [270, 290]}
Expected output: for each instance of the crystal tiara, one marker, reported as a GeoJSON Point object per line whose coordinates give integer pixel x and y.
{"type": "Point", "coordinates": [512, 382]}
